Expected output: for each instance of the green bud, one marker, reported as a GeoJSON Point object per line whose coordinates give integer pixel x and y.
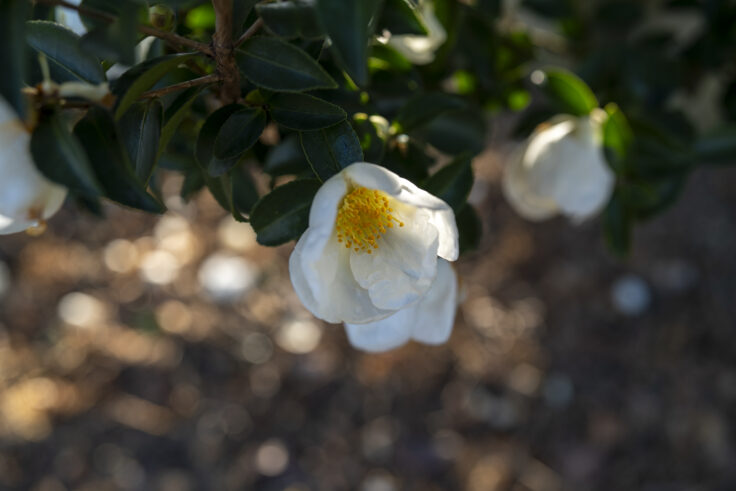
{"type": "Point", "coordinates": [162, 17]}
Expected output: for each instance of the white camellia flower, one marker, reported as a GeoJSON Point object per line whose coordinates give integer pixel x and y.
{"type": "Point", "coordinates": [27, 198]}
{"type": "Point", "coordinates": [420, 49]}
{"type": "Point", "coordinates": [375, 257]}
{"type": "Point", "coordinates": [561, 169]}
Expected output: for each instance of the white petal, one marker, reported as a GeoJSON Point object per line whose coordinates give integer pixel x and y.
{"type": "Point", "coordinates": [441, 216]}
{"type": "Point", "coordinates": [585, 180]}
{"type": "Point", "coordinates": [10, 225]}
{"type": "Point", "coordinates": [516, 190]}
{"type": "Point", "coordinates": [428, 321]}
{"type": "Point", "coordinates": [383, 335]}
{"type": "Point", "coordinates": [25, 194]}
{"type": "Point", "coordinates": [403, 267]}
{"type": "Point", "coordinates": [323, 213]}
{"type": "Point", "coordinates": [321, 275]}
{"type": "Point", "coordinates": [435, 312]}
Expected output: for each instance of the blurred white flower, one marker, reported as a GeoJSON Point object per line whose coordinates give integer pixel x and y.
{"type": "Point", "coordinates": [561, 169]}
{"type": "Point", "coordinates": [370, 259]}
{"type": "Point", "coordinates": [27, 198]}
{"type": "Point", "coordinates": [416, 48]}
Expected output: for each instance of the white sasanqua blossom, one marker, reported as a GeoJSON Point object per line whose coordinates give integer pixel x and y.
{"type": "Point", "coordinates": [561, 169]}
{"type": "Point", "coordinates": [375, 256]}
{"type": "Point", "coordinates": [27, 198]}
{"type": "Point", "coordinates": [419, 49]}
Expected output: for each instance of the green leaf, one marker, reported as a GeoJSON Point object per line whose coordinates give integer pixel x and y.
{"type": "Point", "coordinates": [304, 112]}
{"type": "Point", "coordinates": [245, 194]}
{"type": "Point", "coordinates": [330, 150]}
{"type": "Point", "coordinates": [401, 17]}
{"type": "Point", "coordinates": [61, 46]}
{"type": "Point", "coordinates": [61, 158]}
{"type": "Point", "coordinates": [291, 19]}
{"type": "Point", "coordinates": [408, 159]}
{"type": "Point", "coordinates": [13, 15]}
{"type": "Point", "coordinates": [283, 214]}
{"type": "Point", "coordinates": [718, 147]}
{"type": "Point", "coordinates": [236, 135]}
{"type": "Point", "coordinates": [455, 132]}
{"type": "Point", "coordinates": [423, 108]}
{"type": "Point", "coordinates": [140, 129]}
{"type": "Point", "coordinates": [241, 12]}
{"type": "Point", "coordinates": [617, 225]}
{"type": "Point", "coordinates": [134, 82]}
{"type": "Point", "coordinates": [617, 134]}
{"type": "Point", "coordinates": [469, 227]}
{"type": "Point", "coordinates": [286, 158]}
{"type": "Point", "coordinates": [205, 146]}
{"type": "Point", "coordinates": [116, 41]}
{"type": "Point", "coordinates": [97, 133]}
{"type": "Point", "coordinates": [568, 91]}
{"type": "Point", "coordinates": [348, 23]}
{"type": "Point", "coordinates": [278, 65]}
{"type": "Point", "coordinates": [175, 114]}
{"type": "Point", "coordinates": [452, 183]}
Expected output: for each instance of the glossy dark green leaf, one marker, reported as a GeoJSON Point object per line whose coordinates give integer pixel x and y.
{"type": "Point", "coordinates": [277, 65]}
{"type": "Point", "coordinates": [205, 146]}
{"type": "Point", "coordinates": [401, 17]}
{"type": "Point", "coordinates": [469, 228]}
{"type": "Point", "coordinates": [245, 193]}
{"type": "Point", "coordinates": [97, 133]}
{"type": "Point", "coordinates": [13, 15]}
{"type": "Point", "coordinates": [134, 82]}
{"type": "Point", "coordinates": [283, 214]}
{"type": "Point", "coordinates": [60, 157]}
{"type": "Point", "coordinates": [140, 130]}
{"type": "Point", "coordinates": [349, 26]}
{"type": "Point", "coordinates": [567, 91]}
{"type": "Point", "coordinates": [61, 46]}
{"type": "Point", "coordinates": [455, 132]}
{"type": "Point", "coordinates": [330, 150]}
{"type": "Point", "coordinates": [175, 114]}
{"type": "Point", "coordinates": [291, 19]}
{"type": "Point", "coordinates": [452, 183]}
{"type": "Point", "coordinates": [423, 108]}
{"type": "Point", "coordinates": [304, 112]}
{"type": "Point", "coordinates": [236, 135]}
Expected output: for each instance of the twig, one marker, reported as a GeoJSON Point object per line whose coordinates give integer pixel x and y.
{"type": "Point", "coordinates": [169, 37]}
{"type": "Point", "coordinates": [207, 79]}
{"type": "Point", "coordinates": [222, 42]}
{"type": "Point", "coordinates": [250, 32]}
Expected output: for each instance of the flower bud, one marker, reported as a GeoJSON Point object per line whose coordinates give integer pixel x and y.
{"type": "Point", "coordinates": [27, 198]}
{"type": "Point", "coordinates": [560, 170]}
{"type": "Point", "coordinates": [162, 17]}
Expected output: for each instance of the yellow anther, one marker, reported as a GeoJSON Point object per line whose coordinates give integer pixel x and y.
{"type": "Point", "coordinates": [363, 217]}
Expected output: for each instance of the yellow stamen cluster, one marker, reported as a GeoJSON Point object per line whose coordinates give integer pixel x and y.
{"type": "Point", "coordinates": [363, 217]}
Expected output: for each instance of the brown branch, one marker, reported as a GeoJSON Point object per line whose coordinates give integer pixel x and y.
{"type": "Point", "coordinates": [250, 32]}
{"type": "Point", "coordinates": [207, 79]}
{"type": "Point", "coordinates": [222, 42]}
{"type": "Point", "coordinates": [169, 37]}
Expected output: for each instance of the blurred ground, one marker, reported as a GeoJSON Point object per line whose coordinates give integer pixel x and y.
{"type": "Point", "coordinates": [146, 353]}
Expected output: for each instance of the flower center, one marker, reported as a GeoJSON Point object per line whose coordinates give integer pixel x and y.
{"type": "Point", "coordinates": [363, 217]}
